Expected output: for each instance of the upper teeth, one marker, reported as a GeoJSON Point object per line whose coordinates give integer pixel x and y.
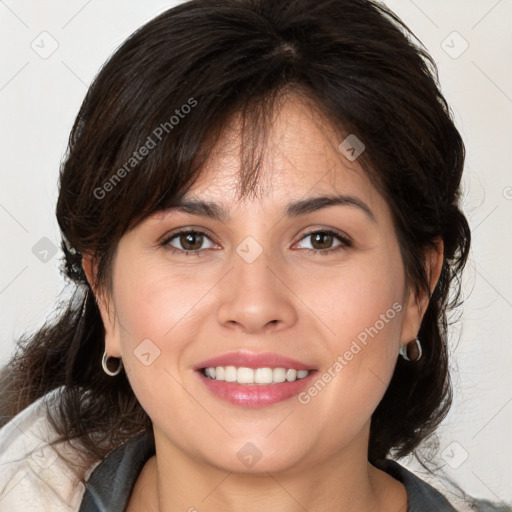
{"type": "Point", "coordinates": [244, 375]}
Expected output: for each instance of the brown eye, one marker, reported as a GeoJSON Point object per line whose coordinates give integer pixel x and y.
{"type": "Point", "coordinates": [322, 242]}
{"type": "Point", "coordinates": [191, 241]}
{"type": "Point", "coordinates": [187, 242]}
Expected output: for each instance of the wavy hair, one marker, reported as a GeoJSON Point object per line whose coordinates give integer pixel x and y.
{"type": "Point", "coordinates": [188, 72]}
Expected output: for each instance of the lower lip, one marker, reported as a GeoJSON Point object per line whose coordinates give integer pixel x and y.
{"type": "Point", "coordinates": [255, 395]}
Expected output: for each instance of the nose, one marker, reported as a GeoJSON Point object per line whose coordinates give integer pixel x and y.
{"type": "Point", "coordinates": [256, 297]}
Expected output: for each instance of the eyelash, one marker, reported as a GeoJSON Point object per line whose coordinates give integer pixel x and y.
{"type": "Point", "coordinates": [345, 243]}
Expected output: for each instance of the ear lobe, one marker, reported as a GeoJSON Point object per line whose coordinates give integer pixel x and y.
{"type": "Point", "coordinates": [417, 303]}
{"type": "Point", "coordinates": [106, 308]}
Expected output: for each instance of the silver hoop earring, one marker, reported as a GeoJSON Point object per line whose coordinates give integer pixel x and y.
{"type": "Point", "coordinates": [105, 366]}
{"type": "Point", "coordinates": [404, 348]}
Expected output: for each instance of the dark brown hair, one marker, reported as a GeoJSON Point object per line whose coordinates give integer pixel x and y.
{"type": "Point", "coordinates": [188, 72]}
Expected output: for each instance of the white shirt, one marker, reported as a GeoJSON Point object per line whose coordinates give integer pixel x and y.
{"type": "Point", "coordinates": [36, 477]}
{"type": "Point", "coordinates": [33, 475]}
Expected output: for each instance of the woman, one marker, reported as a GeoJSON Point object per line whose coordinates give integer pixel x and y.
{"type": "Point", "coordinates": [259, 206]}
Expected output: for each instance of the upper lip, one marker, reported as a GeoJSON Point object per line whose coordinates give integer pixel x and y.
{"type": "Point", "coordinates": [253, 360]}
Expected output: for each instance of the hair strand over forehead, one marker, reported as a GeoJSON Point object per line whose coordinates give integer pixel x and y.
{"type": "Point", "coordinates": [154, 114]}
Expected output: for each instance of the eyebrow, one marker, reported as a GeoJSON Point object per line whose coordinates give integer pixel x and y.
{"type": "Point", "coordinates": [302, 207]}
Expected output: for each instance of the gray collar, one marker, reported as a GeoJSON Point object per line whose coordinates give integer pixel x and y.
{"type": "Point", "coordinates": [110, 484]}
{"type": "Point", "coordinates": [422, 496]}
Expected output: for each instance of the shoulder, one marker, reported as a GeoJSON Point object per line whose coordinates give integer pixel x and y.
{"type": "Point", "coordinates": [424, 497]}
{"type": "Point", "coordinates": [478, 505]}
{"type": "Point", "coordinates": [34, 475]}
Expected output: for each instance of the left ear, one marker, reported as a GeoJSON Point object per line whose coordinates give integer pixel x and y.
{"type": "Point", "coordinates": [416, 304]}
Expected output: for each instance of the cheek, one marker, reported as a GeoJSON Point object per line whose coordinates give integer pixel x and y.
{"type": "Point", "coordinates": [361, 312]}
{"type": "Point", "coordinates": [359, 299]}
{"type": "Point", "coordinates": [158, 314]}
{"type": "Point", "coordinates": [157, 301]}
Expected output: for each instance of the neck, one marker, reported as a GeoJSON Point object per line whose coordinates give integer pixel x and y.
{"type": "Point", "coordinates": [173, 480]}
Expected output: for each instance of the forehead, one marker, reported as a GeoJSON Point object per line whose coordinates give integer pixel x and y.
{"type": "Point", "coordinates": [299, 154]}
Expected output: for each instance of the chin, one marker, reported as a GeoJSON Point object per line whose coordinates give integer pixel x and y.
{"type": "Point", "coordinates": [247, 457]}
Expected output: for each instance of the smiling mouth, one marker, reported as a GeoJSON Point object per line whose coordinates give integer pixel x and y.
{"type": "Point", "coordinates": [254, 376]}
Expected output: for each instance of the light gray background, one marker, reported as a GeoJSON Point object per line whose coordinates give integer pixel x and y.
{"type": "Point", "coordinates": [39, 99]}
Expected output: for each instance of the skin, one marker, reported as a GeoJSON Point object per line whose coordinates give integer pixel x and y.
{"type": "Point", "coordinates": [307, 306]}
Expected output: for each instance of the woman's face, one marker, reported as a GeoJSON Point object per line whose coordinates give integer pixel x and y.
{"type": "Point", "coordinates": [252, 283]}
